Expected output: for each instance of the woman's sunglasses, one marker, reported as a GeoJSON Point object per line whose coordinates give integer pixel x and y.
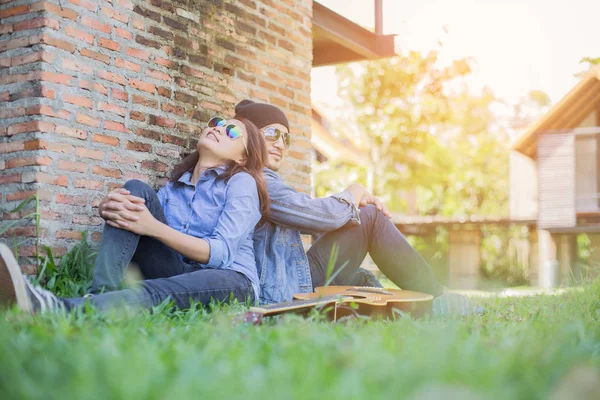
{"type": "Point", "coordinates": [232, 131]}
{"type": "Point", "coordinates": [273, 134]}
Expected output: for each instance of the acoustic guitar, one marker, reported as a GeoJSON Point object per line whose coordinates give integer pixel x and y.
{"type": "Point", "coordinates": [349, 301]}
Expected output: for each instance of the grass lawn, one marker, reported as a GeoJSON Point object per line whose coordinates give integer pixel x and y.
{"type": "Point", "coordinates": [520, 348]}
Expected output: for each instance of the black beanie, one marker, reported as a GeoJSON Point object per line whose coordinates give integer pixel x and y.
{"type": "Point", "coordinates": [261, 114]}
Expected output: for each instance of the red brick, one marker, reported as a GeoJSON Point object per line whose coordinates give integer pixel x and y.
{"type": "Point", "coordinates": [96, 236]}
{"type": "Point", "coordinates": [68, 234]}
{"type": "Point", "coordinates": [139, 24]}
{"type": "Point", "coordinates": [54, 9]}
{"type": "Point", "coordinates": [170, 108]}
{"type": "Point", "coordinates": [173, 139]}
{"type": "Point", "coordinates": [165, 63]}
{"type": "Point", "coordinates": [78, 34]}
{"type": "Point", "coordinates": [124, 33]}
{"type": "Point", "coordinates": [87, 153]}
{"type": "Point", "coordinates": [120, 63]}
{"type": "Point", "coordinates": [95, 24]}
{"type": "Point", "coordinates": [96, 56]}
{"type": "Point", "coordinates": [77, 100]}
{"type": "Point", "coordinates": [31, 126]}
{"type": "Point", "coordinates": [141, 54]}
{"type": "Point", "coordinates": [148, 134]}
{"type": "Point", "coordinates": [137, 116]}
{"type": "Point", "coordinates": [115, 126]}
{"type": "Point", "coordinates": [141, 85]}
{"type": "Point", "coordinates": [47, 110]}
{"type": "Point", "coordinates": [13, 178]}
{"type": "Point", "coordinates": [111, 108]}
{"type": "Point", "coordinates": [61, 44]}
{"type": "Point", "coordinates": [12, 112]}
{"type": "Point", "coordinates": [162, 121]}
{"type": "Point", "coordinates": [118, 158]}
{"type": "Point", "coordinates": [73, 200]}
{"type": "Point", "coordinates": [126, 4]}
{"type": "Point", "coordinates": [87, 120]}
{"type": "Point", "coordinates": [109, 140]}
{"type": "Point", "coordinates": [76, 66]}
{"type": "Point", "coordinates": [60, 147]}
{"type": "Point", "coordinates": [192, 72]}
{"type": "Point", "coordinates": [36, 23]}
{"type": "Point", "coordinates": [120, 94]}
{"type": "Point", "coordinates": [22, 195]}
{"type": "Point", "coordinates": [10, 12]}
{"type": "Point", "coordinates": [72, 132]}
{"type": "Point", "coordinates": [21, 231]}
{"type": "Point", "coordinates": [27, 161]}
{"type": "Point", "coordinates": [93, 87]}
{"type": "Point", "coordinates": [11, 147]}
{"type": "Point", "coordinates": [211, 106]}
{"type": "Point", "coordinates": [89, 184]}
{"type": "Point", "coordinates": [158, 74]}
{"type": "Point", "coordinates": [145, 101]}
{"type": "Point", "coordinates": [138, 146]}
{"type": "Point", "coordinates": [41, 177]}
{"type": "Point", "coordinates": [170, 153]}
{"type": "Point", "coordinates": [112, 13]}
{"type": "Point", "coordinates": [113, 173]}
{"type": "Point", "coordinates": [155, 165]}
{"type": "Point", "coordinates": [54, 77]}
{"type": "Point", "coordinates": [109, 76]}
{"type": "Point", "coordinates": [108, 44]}
{"type": "Point", "coordinates": [6, 28]}
{"type": "Point", "coordinates": [164, 91]}
{"type": "Point", "coordinates": [66, 165]}
{"type": "Point", "coordinates": [84, 219]}
{"type": "Point", "coordinates": [87, 4]}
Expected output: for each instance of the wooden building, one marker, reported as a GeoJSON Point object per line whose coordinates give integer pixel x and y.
{"type": "Point", "coordinates": [555, 181]}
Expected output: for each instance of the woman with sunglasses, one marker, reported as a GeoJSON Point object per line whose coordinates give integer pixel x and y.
{"type": "Point", "coordinates": [354, 221]}
{"type": "Point", "coordinates": [192, 240]}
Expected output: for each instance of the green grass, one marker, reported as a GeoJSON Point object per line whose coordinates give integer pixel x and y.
{"type": "Point", "coordinates": [519, 348]}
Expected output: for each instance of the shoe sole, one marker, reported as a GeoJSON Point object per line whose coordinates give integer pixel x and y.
{"type": "Point", "coordinates": [12, 285]}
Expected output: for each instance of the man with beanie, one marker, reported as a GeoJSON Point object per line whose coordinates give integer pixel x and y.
{"type": "Point", "coordinates": [354, 221]}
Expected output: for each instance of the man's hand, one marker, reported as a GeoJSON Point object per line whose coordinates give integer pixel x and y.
{"type": "Point", "coordinates": [120, 205]}
{"type": "Point", "coordinates": [370, 199]}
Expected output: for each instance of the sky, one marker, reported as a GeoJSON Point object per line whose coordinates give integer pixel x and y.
{"type": "Point", "coordinates": [517, 46]}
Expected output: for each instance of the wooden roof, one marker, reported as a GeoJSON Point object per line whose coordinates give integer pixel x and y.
{"type": "Point", "coordinates": [566, 114]}
{"type": "Point", "coordinates": [337, 40]}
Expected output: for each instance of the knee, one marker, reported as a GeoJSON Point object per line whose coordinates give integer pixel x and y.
{"type": "Point", "coordinates": [138, 188]}
{"type": "Point", "coordinates": [369, 214]}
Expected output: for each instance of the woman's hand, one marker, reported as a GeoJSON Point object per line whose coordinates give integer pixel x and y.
{"type": "Point", "coordinates": [120, 205]}
{"type": "Point", "coordinates": [144, 224]}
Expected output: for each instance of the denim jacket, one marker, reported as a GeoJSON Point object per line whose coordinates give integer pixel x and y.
{"type": "Point", "coordinates": [280, 257]}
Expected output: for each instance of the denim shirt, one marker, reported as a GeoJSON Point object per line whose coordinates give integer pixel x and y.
{"type": "Point", "coordinates": [224, 213]}
{"type": "Point", "coordinates": [280, 258]}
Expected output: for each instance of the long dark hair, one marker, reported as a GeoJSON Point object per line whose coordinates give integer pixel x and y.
{"type": "Point", "coordinates": [257, 156]}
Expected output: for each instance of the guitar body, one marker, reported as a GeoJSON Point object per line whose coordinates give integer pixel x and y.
{"type": "Point", "coordinates": [373, 302]}
{"type": "Point", "coordinates": [350, 301]}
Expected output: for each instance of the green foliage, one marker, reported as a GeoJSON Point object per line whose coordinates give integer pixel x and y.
{"type": "Point", "coordinates": [72, 278]}
{"type": "Point", "coordinates": [520, 348]}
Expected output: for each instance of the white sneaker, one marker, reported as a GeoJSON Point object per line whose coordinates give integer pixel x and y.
{"type": "Point", "coordinates": [16, 288]}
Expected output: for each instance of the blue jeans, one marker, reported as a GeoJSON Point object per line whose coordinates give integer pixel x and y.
{"type": "Point", "coordinates": [165, 273]}
{"type": "Point", "coordinates": [375, 235]}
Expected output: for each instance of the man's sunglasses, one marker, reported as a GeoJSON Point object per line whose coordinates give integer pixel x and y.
{"type": "Point", "coordinates": [232, 131]}
{"type": "Point", "coordinates": [273, 134]}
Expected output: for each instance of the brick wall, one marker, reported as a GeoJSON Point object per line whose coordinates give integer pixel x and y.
{"type": "Point", "coordinates": [93, 93]}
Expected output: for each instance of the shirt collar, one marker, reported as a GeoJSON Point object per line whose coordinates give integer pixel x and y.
{"type": "Point", "coordinates": [206, 175]}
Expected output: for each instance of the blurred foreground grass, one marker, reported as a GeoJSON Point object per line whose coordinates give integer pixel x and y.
{"type": "Point", "coordinates": [521, 348]}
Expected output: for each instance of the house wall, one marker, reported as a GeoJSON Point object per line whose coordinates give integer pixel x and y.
{"type": "Point", "coordinates": [523, 199]}
{"type": "Point", "coordinates": [586, 168]}
{"type": "Point", "coordinates": [93, 93]}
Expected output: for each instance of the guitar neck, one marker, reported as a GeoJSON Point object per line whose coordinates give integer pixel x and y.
{"type": "Point", "coordinates": [296, 305]}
